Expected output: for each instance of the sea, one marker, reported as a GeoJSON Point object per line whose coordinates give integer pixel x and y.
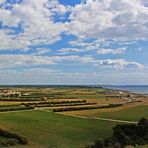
{"type": "Point", "coordinates": [140, 89]}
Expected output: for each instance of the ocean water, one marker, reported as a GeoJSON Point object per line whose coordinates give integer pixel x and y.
{"type": "Point", "coordinates": [141, 89]}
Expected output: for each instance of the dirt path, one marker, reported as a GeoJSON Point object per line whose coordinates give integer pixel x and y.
{"type": "Point", "coordinates": [43, 110]}
{"type": "Point", "coordinates": [103, 119]}
{"type": "Point", "coordinates": [114, 120]}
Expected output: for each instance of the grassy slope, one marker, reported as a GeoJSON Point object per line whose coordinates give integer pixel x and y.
{"type": "Point", "coordinates": [45, 129]}
{"type": "Point", "coordinates": [130, 114]}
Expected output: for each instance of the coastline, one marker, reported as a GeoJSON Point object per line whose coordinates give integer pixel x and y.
{"type": "Point", "coordinates": [139, 90]}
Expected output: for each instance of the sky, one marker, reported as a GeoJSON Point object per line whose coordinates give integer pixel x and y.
{"type": "Point", "coordinates": [77, 42]}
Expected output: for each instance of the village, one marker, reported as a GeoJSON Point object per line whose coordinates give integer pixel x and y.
{"type": "Point", "coordinates": [11, 93]}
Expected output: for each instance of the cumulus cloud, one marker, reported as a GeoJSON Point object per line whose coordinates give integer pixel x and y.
{"type": "Point", "coordinates": [79, 46]}
{"type": "Point", "coordinates": [103, 20]}
{"type": "Point", "coordinates": [122, 20]}
{"type": "Point", "coordinates": [7, 18]}
{"type": "Point", "coordinates": [111, 51]}
{"type": "Point", "coordinates": [93, 23]}
{"type": "Point", "coordinates": [118, 63]}
{"type": "Point", "coordinates": [37, 24]}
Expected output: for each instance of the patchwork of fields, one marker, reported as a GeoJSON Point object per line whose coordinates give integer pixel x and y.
{"type": "Point", "coordinates": [32, 115]}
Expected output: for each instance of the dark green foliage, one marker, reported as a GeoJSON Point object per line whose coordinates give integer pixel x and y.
{"type": "Point", "coordinates": [11, 139]}
{"type": "Point", "coordinates": [85, 107]}
{"type": "Point", "coordinates": [126, 134]}
{"type": "Point", "coordinates": [20, 99]}
{"type": "Point", "coordinates": [131, 134]}
{"type": "Point", "coordinates": [54, 102]}
{"type": "Point", "coordinates": [16, 108]}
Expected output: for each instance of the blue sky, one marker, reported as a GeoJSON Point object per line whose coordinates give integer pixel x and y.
{"type": "Point", "coordinates": [73, 42]}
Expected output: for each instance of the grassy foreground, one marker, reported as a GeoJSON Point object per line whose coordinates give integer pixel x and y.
{"type": "Point", "coordinates": [48, 129]}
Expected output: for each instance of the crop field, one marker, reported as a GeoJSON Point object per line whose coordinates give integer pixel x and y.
{"type": "Point", "coordinates": [128, 114]}
{"type": "Point", "coordinates": [47, 117]}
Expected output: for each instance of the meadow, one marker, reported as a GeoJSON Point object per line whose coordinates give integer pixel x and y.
{"type": "Point", "coordinates": [130, 114]}
{"type": "Point", "coordinates": [48, 129]}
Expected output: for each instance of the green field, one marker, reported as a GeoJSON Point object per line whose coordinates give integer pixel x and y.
{"type": "Point", "coordinates": [48, 129]}
{"type": "Point", "coordinates": [129, 114]}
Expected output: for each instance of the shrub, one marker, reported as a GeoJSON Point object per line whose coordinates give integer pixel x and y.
{"type": "Point", "coordinates": [11, 138]}
{"type": "Point", "coordinates": [126, 134]}
{"type": "Point", "coordinates": [85, 107]}
{"type": "Point", "coordinates": [16, 108]}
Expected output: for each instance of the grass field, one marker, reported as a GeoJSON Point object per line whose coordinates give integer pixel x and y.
{"type": "Point", "coordinates": [47, 129]}
{"type": "Point", "coordinates": [129, 114]}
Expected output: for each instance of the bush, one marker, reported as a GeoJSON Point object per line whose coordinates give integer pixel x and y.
{"type": "Point", "coordinates": [20, 99]}
{"type": "Point", "coordinates": [126, 134]}
{"type": "Point", "coordinates": [16, 108]}
{"type": "Point", "coordinates": [11, 139]}
{"type": "Point", "coordinates": [85, 107]}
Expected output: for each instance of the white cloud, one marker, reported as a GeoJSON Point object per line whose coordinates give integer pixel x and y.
{"type": "Point", "coordinates": [36, 19]}
{"type": "Point", "coordinates": [10, 42]}
{"type": "Point", "coordinates": [118, 63]}
{"type": "Point", "coordinates": [42, 51]}
{"type": "Point", "coordinates": [87, 46]}
{"type": "Point", "coordinates": [122, 20]}
{"type": "Point", "coordinates": [64, 51]}
{"type": "Point", "coordinates": [20, 60]}
{"type": "Point", "coordinates": [7, 18]}
{"type": "Point", "coordinates": [17, 61]}
{"type": "Point", "coordinates": [78, 46]}
{"type": "Point", "coordinates": [111, 51]}
{"type": "Point", "coordinates": [10, 61]}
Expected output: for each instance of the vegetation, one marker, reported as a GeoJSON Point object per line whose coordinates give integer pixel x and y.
{"type": "Point", "coordinates": [19, 99]}
{"type": "Point", "coordinates": [44, 128]}
{"type": "Point", "coordinates": [4, 109]}
{"type": "Point", "coordinates": [130, 114]}
{"type": "Point", "coordinates": [48, 129]}
{"type": "Point", "coordinates": [54, 102]}
{"type": "Point", "coordinates": [85, 107]}
{"type": "Point", "coordinates": [7, 139]}
{"type": "Point", "coordinates": [126, 134]}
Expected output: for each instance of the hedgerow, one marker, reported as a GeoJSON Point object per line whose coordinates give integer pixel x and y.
{"type": "Point", "coordinates": [85, 107]}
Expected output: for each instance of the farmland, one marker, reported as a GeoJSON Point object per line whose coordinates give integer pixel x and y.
{"type": "Point", "coordinates": [33, 114]}
{"type": "Point", "coordinates": [131, 114]}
